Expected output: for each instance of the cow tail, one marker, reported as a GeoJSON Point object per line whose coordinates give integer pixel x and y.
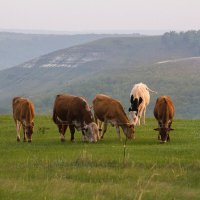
{"type": "Point", "coordinates": [14, 100]}
{"type": "Point", "coordinates": [54, 117]}
{"type": "Point", "coordinates": [151, 90]}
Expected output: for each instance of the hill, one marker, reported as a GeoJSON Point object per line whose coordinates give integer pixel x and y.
{"type": "Point", "coordinates": [111, 66]}
{"type": "Point", "coordinates": [16, 48]}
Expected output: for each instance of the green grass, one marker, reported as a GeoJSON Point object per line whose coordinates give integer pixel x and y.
{"type": "Point", "coordinates": [49, 169]}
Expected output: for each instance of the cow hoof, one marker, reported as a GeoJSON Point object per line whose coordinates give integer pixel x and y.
{"type": "Point", "coordinates": [101, 137]}
{"type": "Point", "coordinates": [72, 141]}
{"type": "Point", "coordinates": [18, 139]}
{"type": "Point", "coordinates": [62, 140]}
{"type": "Point", "coordinates": [29, 141]}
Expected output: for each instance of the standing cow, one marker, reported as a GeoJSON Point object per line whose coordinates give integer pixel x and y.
{"type": "Point", "coordinates": [23, 114]}
{"type": "Point", "coordinates": [74, 111]}
{"type": "Point", "coordinates": [109, 110]}
{"type": "Point", "coordinates": [139, 99]}
{"type": "Point", "coordinates": [164, 113]}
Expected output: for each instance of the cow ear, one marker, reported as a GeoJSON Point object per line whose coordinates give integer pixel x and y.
{"type": "Point", "coordinates": [140, 100]}
{"type": "Point", "coordinates": [156, 129]}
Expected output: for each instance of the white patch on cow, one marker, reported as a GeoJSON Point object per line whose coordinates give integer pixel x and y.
{"type": "Point", "coordinates": [77, 125]}
{"type": "Point", "coordinates": [133, 117]}
{"type": "Point", "coordinates": [113, 122]}
{"type": "Point", "coordinates": [61, 121]}
{"type": "Point", "coordinates": [24, 122]}
{"type": "Point", "coordinates": [92, 133]}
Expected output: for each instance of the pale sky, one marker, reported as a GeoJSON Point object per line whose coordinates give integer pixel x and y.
{"type": "Point", "coordinates": [90, 15]}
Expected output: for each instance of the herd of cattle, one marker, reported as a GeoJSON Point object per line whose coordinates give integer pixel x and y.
{"type": "Point", "coordinates": [74, 112]}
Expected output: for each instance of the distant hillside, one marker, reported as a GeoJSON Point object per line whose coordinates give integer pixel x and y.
{"type": "Point", "coordinates": [16, 48]}
{"type": "Point", "coordinates": [117, 52]}
{"type": "Point", "coordinates": [111, 66]}
{"type": "Point", "coordinates": [177, 78]}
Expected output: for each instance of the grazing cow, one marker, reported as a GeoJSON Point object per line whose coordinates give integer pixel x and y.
{"type": "Point", "coordinates": [23, 114]}
{"type": "Point", "coordinates": [139, 99]}
{"type": "Point", "coordinates": [109, 110]}
{"type": "Point", "coordinates": [74, 111]}
{"type": "Point", "coordinates": [164, 113]}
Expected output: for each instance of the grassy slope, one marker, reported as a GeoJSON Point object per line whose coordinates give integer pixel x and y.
{"type": "Point", "coordinates": [124, 61]}
{"type": "Point", "coordinates": [49, 169]}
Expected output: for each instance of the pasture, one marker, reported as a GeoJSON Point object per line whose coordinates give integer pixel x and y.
{"type": "Point", "coordinates": [141, 169]}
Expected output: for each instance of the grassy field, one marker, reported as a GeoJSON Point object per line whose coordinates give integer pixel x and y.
{"type": "Point", "coordinates": [143, 169]}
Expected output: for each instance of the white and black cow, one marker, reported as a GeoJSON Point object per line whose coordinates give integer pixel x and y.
{"type": "Point", "coordinates": [139, 99]}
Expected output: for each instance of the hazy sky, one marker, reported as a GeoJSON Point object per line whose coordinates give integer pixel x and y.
{"type": "Point", "coordinates": [88, 15]}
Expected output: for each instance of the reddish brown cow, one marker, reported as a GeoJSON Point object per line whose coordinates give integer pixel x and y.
{"type": "Point", "coordinates": [164, 113]}
{"type": "Point", "coordinates": [23, 114]}
{"type": "Point", "coordinates": [74, 111]}
{"type": "Point", "coordinates": [109, 110]}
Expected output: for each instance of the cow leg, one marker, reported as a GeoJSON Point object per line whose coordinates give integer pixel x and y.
{"type": "Point", "coordinates": [72, 131]}
{"type": "Point", "coordinates": [159, 138]}
{"type": "Point", "coordinates": [138, 120]}
{"type": "Point", "coordinates": [100, 126]}
{"type": "Point", "coordinates": [62, 133]}
{"type": "Point", "coordinates": [144, 115]}
{"type": "Point", "coordinates": [118, 132]}
{"type": "Point", "coordinates": [96, 119]}
{"type": "Point", "coordinates": [141, 114]}
{"type": "Point", "coordinates": [24, 134]}
{"type": "Point", "coordinates": [18, 128]}
{"type": "Point", "coordinates": [104, 129]}
{"type": "Point", "coordinates": [168, 138]}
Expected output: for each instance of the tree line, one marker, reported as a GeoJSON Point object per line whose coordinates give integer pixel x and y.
{"type": "Point", "coordinates": [188, 39]}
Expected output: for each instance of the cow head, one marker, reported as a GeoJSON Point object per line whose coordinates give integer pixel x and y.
{"type": "Point", "coordinates": [91, 132]}
{"type": "Point", "coordinates": [164, 132]}
{"type": "Point", "coordinates": [129, 131]}
{"type": "Point", "coordinates": [28, 129]}
{"type": "Point", "coordinates": [133, 110]}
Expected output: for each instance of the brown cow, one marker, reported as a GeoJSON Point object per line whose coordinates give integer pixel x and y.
{"type": "Point", "coordinates": [164, 113]}
{"type": "Point", "coordinates": [109, 110]}
{"type": "Point", "coordinates": [23, 114]}
{"type": "Point", "coordinates": [74, 111]}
